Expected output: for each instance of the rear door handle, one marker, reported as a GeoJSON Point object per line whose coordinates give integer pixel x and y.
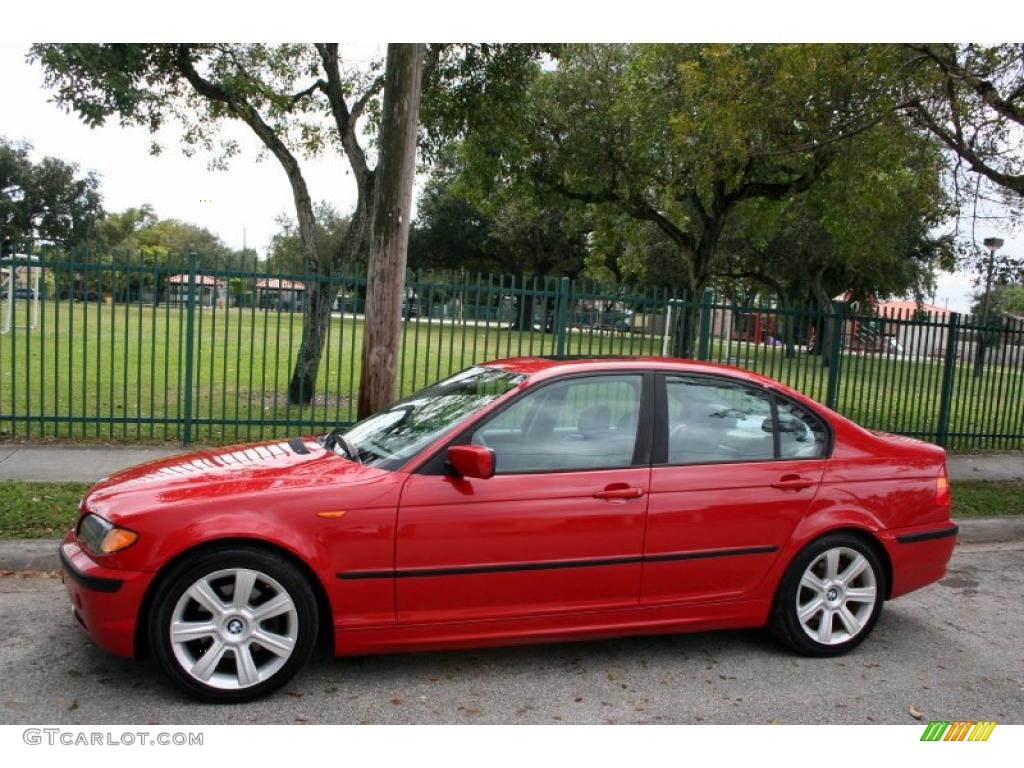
{"type": "Point", "coordinates": [793, 483]}
{"type": "Point", "coordinates": [619, 492]}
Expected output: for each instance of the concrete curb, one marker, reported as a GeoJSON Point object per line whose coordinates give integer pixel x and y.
{"type": "Point", "coordinates": [29, 554]}
{"type": "Point", "coordinates": [992, 530]}
{"type": "Point", "coordinates": [41, 554]}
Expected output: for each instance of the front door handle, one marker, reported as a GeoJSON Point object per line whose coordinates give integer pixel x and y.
{"type": "Point", "coordinates": [793, 483]}
{"type": "Point", "coordinates": [619, 491]}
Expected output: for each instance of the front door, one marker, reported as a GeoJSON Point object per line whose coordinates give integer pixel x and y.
{"type": "Point", "coordinates": [560, 526]}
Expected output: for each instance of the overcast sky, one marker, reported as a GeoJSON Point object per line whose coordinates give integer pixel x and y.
{"type": "Point", "coordinates": [248, 196]}
{"type": "Point", "coordinates": [245, 198]}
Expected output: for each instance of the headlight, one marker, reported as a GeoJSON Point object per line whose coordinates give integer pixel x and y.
{"type": "Point", "coordinates": [103, 537]}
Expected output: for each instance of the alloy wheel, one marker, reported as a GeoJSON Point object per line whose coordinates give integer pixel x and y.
{"type": "Point", "coordinates": [836, 596]}
{"type": "Point", "coordinates": [234, 628]}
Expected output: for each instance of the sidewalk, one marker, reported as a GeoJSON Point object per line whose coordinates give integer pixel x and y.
{"type": "Point", "coordinates": [45, 463]}
{"type": "Point", "coordinates": [87, 463]}
{"type": "Point", "coordinates": [72, 464]}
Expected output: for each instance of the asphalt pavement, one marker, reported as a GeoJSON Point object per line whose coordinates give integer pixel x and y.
{"type": "Point", "coordinates": [950, 651]}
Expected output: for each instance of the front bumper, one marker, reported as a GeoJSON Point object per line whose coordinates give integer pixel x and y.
{"type": "Point", "coordinates": [105, 601]}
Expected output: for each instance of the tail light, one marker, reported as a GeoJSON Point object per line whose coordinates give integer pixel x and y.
{"type": "Point", "coordinates": [942, 496]}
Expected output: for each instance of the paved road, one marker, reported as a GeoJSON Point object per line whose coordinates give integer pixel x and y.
{"type": "Point", "coordinates": [951, 651]}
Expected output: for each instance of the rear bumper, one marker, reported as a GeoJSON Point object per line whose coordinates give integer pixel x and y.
{"type": "Point", "coordinates": [105, 601]}
{"type": "Point", "coordinates": [919, 555]}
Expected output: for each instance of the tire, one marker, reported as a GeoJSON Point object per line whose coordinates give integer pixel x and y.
{"type": "Point", "coordinates": [257, 642]}
{"type": "Point", "coordinates": [830, 596]}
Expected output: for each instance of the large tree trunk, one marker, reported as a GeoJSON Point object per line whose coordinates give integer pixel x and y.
{"type": "Point", "coordinates": [824, 323]}
{"type": "Point", "coordinates": [321, 292]}
{"type": "Point", "coordinates": [389, 234]}
{"type": "Point", "coordinates": [317, 310]}
{"type": "Point", "coordinates": [698, 276]}
{"type": "Point", "coordinates": [523, 305]}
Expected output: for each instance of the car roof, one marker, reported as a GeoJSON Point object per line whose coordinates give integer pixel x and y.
{"type": "Point", "coordinates": [545, 367]}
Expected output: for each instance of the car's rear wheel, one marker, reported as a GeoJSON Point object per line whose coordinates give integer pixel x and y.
{"type": "Point", "coordinates": [233, 623]}
{"type": "Point", "coordinates": [830, 597]}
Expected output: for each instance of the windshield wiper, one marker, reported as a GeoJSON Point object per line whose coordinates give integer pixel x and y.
{"type": "Point", "coordinates": [335, 437]}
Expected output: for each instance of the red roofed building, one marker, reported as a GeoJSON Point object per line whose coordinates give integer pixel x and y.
{"type": "Point", "coordinates": [275, 293]}
{"type": "Point", "coordinates": [209, 290]}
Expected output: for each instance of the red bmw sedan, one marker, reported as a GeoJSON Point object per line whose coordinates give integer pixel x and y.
{"type": "Point", "coordinates": [526, 500]}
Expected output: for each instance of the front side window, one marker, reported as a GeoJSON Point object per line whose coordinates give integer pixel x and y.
{"type": "Point", "coordinates": [578, 424]}
{"type": "Point", "coordinates": [713, 420]}
{"type": "Point", "coordinates": [389, 438]}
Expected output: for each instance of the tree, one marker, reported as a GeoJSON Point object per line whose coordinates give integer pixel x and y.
{"type": "Point", "coordinates": [118, 230]}
{"type": "Point", "coordinates": [685, 136]}
{"type": "Point", "coordinates": [515, 229]}
{"type": "Point", "coordinates": [298, 100]}
{"type": "Point", "coordinates": [284, 254]}
{"type": "Point", "coordinates": [46, 201]}
{"type": "Point", "coordinates": [278, 92]}
{"type": "Point", "coordinates": [971, 98]}
{"type": "Point", "coordinates": [389, 237]}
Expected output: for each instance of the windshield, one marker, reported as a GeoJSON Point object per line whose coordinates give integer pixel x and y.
{"type": "Point", "coordinates": [389, 438]}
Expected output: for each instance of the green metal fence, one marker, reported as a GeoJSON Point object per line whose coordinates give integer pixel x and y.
{"type": "Point", "coordinates": [121, 349]}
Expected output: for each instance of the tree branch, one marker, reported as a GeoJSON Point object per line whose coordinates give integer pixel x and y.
{"type": "Point", "coordinates": [1013, 182]}
{"type": "Point", "coordinates": [297, 97]}
{"type": "Point", "coordinates": [776, 190]}
{"type": "Point", "coordinates": [251, 117]}
{"type": "Point", "coordinates": [982, 87]}
{"type": "Point", "coordinates": [343, 118]}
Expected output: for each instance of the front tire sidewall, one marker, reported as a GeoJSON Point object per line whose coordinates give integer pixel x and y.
{"type": "Point", "coordinates": [785, 624]}
{"type": "Point", "coordinates": [177, 581]}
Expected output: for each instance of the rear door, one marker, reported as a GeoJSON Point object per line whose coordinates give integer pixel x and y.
{"type": "Point", "coordinates": [735, 469]}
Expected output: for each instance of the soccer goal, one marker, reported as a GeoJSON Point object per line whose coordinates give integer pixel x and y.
{"type": "Point", "coordinates": [20, 281]}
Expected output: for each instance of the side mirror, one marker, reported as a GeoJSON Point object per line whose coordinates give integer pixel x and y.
{"type": "Point", "coordinates": [472, 461]}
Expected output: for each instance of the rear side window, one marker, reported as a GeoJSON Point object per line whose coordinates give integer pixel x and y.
{"type": "Point", "coordinates": [801, 434]}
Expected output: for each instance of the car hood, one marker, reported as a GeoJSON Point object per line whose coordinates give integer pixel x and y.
{"type": "Point", "coordinates": [233, 471]}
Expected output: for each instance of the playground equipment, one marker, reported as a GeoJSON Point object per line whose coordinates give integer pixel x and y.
{"type": "Point", "coordinates": [10, 267]}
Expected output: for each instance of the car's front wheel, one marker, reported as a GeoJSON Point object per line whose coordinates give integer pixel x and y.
{"type": "Point", "coordinates": [233, 623]}
{"type": "Point", "coordinates": [830, 597]}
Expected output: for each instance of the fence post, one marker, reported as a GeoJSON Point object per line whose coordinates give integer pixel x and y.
{"type": "Point", "coordinates": [948, 369]}
{"type": "Point", "coordinates": [561, 312]}
{"type": "Point", "coordinates": [836, 356]}
{"type": "Point", "coordinates": [190, 307]}
{"type": "Point", "coordinates": [706, 312]}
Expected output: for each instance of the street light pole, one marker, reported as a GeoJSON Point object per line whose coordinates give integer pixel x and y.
{"type": "Point", "coordinates": [993, 244]}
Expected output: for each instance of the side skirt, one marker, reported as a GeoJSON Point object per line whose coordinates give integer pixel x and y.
{"type": "Point", "coordinates": [563, 627]}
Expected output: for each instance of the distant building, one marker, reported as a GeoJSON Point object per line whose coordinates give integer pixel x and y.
{"type": "Point", "coordinates": [209, 290]}
{"type": "Point", "coordinates": [922, 330]}
{"type": "Point", "coordinates": [274, 293]}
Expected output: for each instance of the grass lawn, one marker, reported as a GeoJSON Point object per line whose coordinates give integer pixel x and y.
{"type": "Point", "coordinates": [977, 499]}
{"type": "Point", "coordinates": [47, 510]}
{"type": "Point", "coordinates": [38, 510]}
{"type": "Point", "coordinates": [116, 372]}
